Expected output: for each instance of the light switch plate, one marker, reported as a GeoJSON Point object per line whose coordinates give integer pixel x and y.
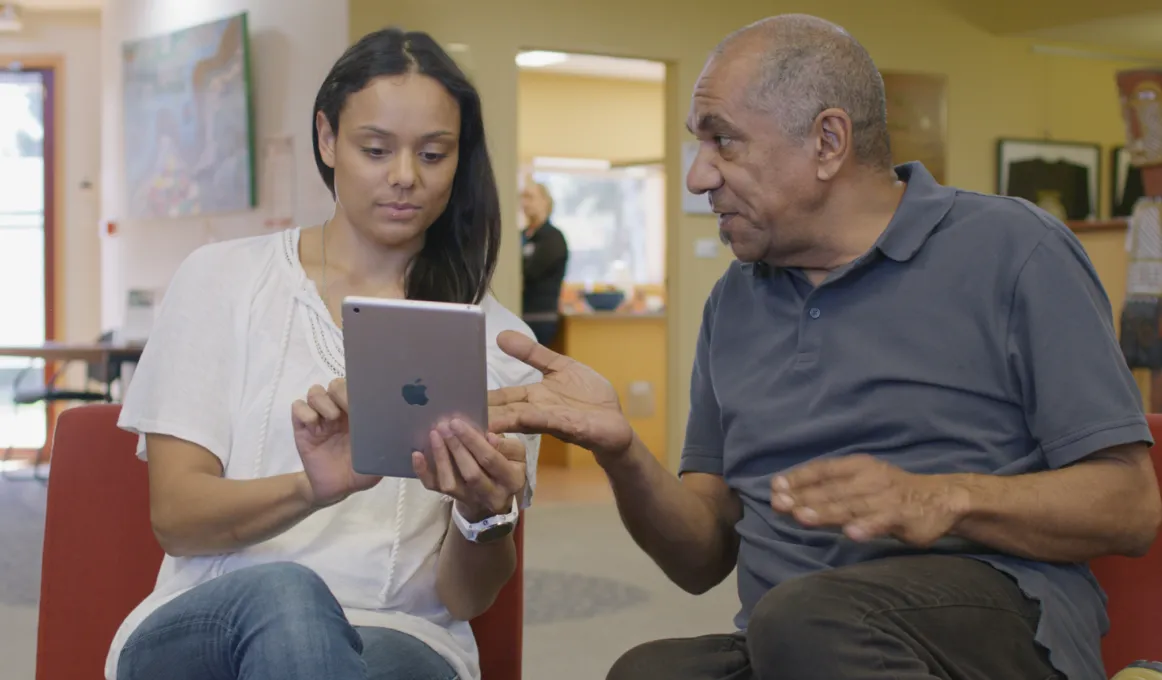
{"type": "Point", "coordinates": [706, 248]}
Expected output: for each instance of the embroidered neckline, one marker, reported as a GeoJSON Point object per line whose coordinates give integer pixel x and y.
{"type": "Point", "coordinates": [326, 339]}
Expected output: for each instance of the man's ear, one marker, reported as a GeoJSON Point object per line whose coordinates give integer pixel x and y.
{"type": "Point", "coordinates": [833, 141]}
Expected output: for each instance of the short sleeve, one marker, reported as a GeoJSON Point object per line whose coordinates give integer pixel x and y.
{"type": "Point", "coordinates": [184, 383]}
{"type": "Point", "coordinates": [1076, 389]}
{"type": "Point", "coordinates": [505, 371]}
{"type": "Point", "coordinates": [702, 451]}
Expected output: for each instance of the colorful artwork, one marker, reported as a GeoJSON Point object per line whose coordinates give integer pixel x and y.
{"type": "Point", "coordinates": [189, 134]}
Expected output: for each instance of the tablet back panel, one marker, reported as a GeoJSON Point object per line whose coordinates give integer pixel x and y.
{"type": "Point", "coordinates": [410, 364]}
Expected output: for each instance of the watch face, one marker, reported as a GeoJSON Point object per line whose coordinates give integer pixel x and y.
{"type": "Point", "coordinates": [493, 533]}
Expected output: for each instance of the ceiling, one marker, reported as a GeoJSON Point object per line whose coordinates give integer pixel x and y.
{"type": "Point", "coordinates": [1133, 33]}
{"type": "Point", "coordinates": [1022, 16]}
{"type": "Point", "coordinates": [1128, 25]}
{"type": "Point", "coordinates": [597, 66]}
{"type": "Point", "coordinates": [1118, 26]}
{"type": "Point", "coordinates": [57, 5]}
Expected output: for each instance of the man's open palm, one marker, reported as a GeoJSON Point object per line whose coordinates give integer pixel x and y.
{"type": "Point", "coordinates": [573, 402]}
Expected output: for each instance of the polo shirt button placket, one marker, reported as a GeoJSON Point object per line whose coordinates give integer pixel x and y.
{"type": "Point", "coordinates": [808, 351]}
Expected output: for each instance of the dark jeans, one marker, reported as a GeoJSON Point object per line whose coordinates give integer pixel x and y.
{"type": "Point", "coordinates": [273, 622]}
{"type": "Point", "coordinates": [903, 618]}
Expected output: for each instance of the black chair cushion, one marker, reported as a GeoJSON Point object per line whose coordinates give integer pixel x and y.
{"type": "Point", "coordinates": [28, 397]}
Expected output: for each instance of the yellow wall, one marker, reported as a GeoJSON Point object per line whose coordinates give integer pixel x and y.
{"type": "Point", "coordinates": [573, 116]}
{"type": "Point", "coordinates": [996, 87]}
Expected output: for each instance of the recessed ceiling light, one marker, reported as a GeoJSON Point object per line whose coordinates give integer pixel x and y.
{"type": "Point", "coordinates": [538, 58]}
{"type": "Point", "coordinates": [10, 18]}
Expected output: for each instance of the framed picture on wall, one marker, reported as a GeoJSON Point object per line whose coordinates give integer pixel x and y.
{"type": "Point", "coordinates": [1059, 177]}
{"type": "Point", "coordinates": [1126, 181]}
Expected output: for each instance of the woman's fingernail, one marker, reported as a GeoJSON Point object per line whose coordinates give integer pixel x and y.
{"type": "Point", "coordinates": [458, 426]}
{"type": "Point", "coordinates": [808, 515]}
{"type": "Point", "coordinates": [443, 429]}
{"type": "Point", "coordinates": [785, 501]}
{"type": "Point", "coordinates": [782, 484]}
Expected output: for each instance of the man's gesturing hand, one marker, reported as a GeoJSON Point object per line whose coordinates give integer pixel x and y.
{"type": "Point", "coordinates": [869, 498]}
{"type": "Point", "coordinates": [573, 402]}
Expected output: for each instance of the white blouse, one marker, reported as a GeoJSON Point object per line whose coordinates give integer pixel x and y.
{"type": "Point", "coordinates": [241, 333]}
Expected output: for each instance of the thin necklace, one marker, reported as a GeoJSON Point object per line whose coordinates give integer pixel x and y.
{"type": "Point", "coordinates": [326, 304]}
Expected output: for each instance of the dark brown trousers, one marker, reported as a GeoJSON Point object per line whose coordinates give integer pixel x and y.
{"type": "Point", "coordinates": [900, 618]}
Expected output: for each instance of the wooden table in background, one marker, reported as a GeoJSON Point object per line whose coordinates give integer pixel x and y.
{"type": "Point", "coordinates": [51, 352]}
{"type": "Point", "coordinates": [91, 352]}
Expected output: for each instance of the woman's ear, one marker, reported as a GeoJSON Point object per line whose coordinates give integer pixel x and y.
{"type": "Point", "coordinates": [326, 138]}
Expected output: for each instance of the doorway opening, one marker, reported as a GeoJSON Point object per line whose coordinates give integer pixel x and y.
{"type": "Point", "coordinates": [591, 132]}
{"type": "Point", "coordinates": [26, 245]}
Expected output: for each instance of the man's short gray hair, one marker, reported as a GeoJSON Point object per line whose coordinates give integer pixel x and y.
{"type": "Point", "coordinates": [807, 65]}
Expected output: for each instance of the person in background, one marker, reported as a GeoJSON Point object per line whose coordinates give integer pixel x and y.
{"type": "Point", "coordinates": [546, 255]}
{"type": "Point", "coordinates": [910, 423]}
{"type": "Point", "coordinates": [281, 562]}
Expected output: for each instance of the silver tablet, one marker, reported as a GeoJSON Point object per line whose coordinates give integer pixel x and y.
{"type": "Point", "coordinates": [410, 364]}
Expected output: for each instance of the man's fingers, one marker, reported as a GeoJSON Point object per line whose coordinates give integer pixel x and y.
{"type": "Point", "coordinates": [523, 348]}
{"type": "Point", "coordinates": [507, 395]}
{"type": "Point", "coordinates": [523, 419]}
{"type": "Point", "coordinates": [842, 490]}
{"type": "Point", "coordinates": [871, 527]}
{"type": "Point", "coordinates": [833, 514]}
{"type": "Point", "coordinates": [820, 471]}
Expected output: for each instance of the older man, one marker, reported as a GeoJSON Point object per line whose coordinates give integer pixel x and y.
{"type": "Point", "coordinates": [910, 422]}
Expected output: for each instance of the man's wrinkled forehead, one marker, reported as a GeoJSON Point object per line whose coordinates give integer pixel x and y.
{"type": "Point", "coordinates": [714, 103]}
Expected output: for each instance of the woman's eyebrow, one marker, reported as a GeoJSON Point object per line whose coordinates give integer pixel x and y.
{"type": "Point", "coordinates": [385, 133]}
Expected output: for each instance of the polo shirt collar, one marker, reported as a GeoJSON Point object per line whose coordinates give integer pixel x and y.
{"type": "Point", "coordinates": [924, 205]}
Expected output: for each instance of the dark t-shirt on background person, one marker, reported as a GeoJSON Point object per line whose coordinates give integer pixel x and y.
{"type": "Point", "coordinates": [545, 257]}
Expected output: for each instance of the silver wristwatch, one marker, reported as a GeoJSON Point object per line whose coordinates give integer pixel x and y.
{"type": "Point", "coordinates": [488, 529]}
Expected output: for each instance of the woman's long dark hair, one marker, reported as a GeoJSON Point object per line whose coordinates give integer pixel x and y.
{"type": "Point", "coordinates": [460, 248]}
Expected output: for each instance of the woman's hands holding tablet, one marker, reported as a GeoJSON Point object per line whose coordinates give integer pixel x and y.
{"type": "Point", "coordinates": [323, 439]}
{"type": "Point", "coordinates": [480, 471]}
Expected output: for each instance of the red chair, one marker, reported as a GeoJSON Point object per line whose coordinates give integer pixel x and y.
{"type": "Point", "coordinates": [101, 558]}
{"type": "Point", "coordinates": [1134, 587]}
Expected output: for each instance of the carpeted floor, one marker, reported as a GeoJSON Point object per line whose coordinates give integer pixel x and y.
{"type": "Point", "coordinates": [21, 530]}
{"type": "Point", "coordinates": [590, 593]}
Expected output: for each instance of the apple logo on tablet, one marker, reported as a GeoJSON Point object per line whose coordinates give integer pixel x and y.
{"type": "Point", "coordinates": [415, 394]}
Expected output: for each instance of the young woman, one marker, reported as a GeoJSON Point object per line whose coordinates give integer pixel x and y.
{"type": "Point", "coordinates": [282, 563]}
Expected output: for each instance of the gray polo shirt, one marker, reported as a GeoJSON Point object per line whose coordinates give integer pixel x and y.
{"type": "Point", "coordinates": [973, 337]}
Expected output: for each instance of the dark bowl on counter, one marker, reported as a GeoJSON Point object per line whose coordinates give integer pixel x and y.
{"type": "Point", "coordinates": [606, 301]}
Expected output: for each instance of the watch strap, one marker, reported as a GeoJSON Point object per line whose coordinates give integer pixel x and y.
{"type": "Point", "coordinates": [488, 528]}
